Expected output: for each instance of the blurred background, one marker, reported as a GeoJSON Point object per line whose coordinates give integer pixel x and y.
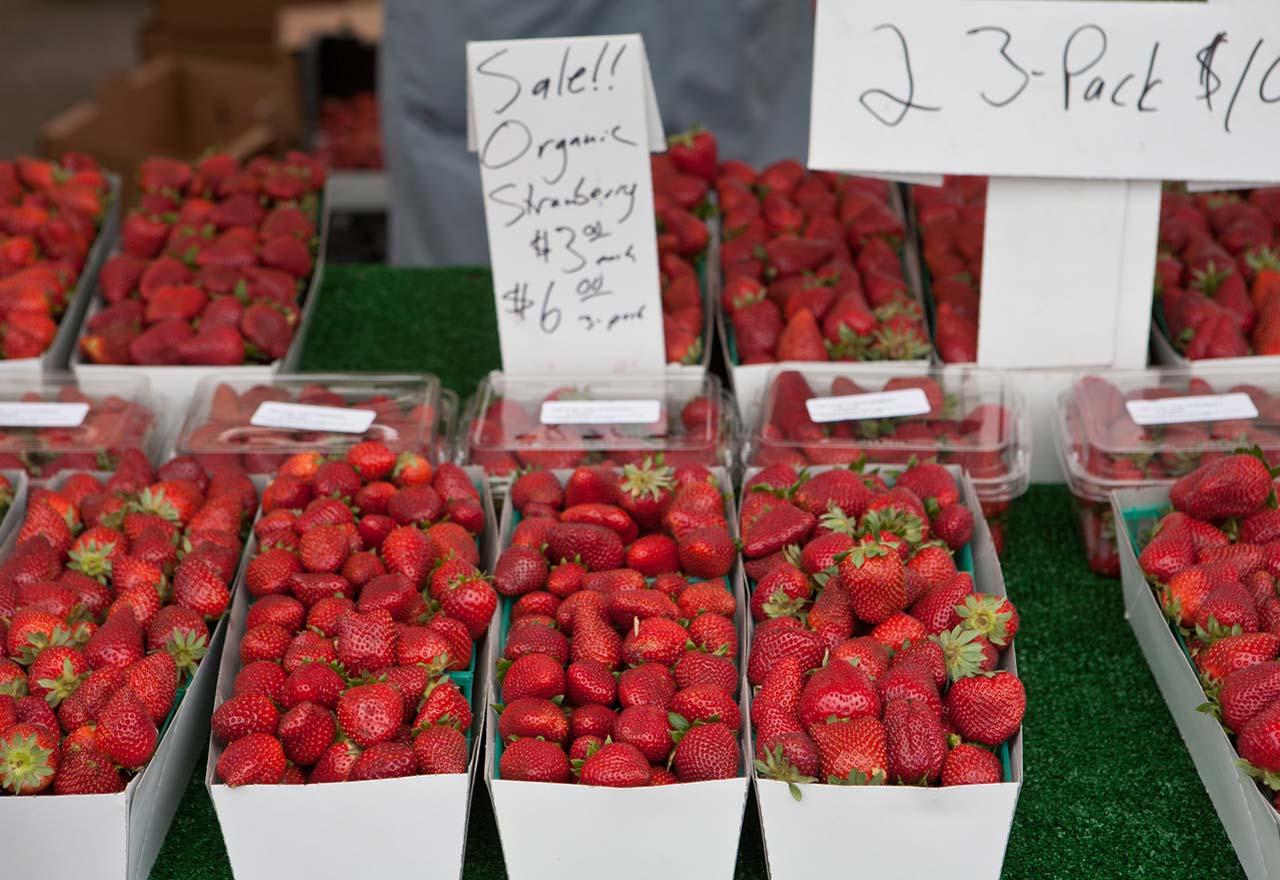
{"type": "Point", "coordinates": [126, 79]}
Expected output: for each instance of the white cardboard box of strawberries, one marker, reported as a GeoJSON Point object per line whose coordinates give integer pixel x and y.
{"type": "Point", "coordinates": [973, 809]}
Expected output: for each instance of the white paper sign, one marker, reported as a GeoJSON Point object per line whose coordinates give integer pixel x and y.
{"type": "Point", "coordinates": [305, 417]}
{"type": "Point", "coordinates": [1032, 89]}
{"type": "Point", "coordinates": [600, 412]}
{"type": "Point", "coordinates": [32, 414]}
{"type": "Point", "coordinates": [1197, 408]}
{"type": "Point", "coordinates": [872, 405]}
{"type": "Point", "coordinates": [563, 129]}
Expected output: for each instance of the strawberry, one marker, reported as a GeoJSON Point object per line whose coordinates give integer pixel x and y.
{"type": "Point", "coordinates": [1246, 692]}
{"type": "Point", "coordinates": [837, 690]}
{"type": "Point", "coordinates": [875, 579]}
{"type": "Point", "coordinates": [987, 708]}
{"type": "Point", "coordinates": [533, 675]}
{"type": "Point", "coordinates": [1234, 485]}
{"type": "Point", "coordinates": [385, 760]}
{"type": "Point", "coordinates": [694, 152]}
{"type": "Point", "coordinates": [473, 601]}
{"type": "Point", "coordinates": [971, 765]}
{"type": "Point", "coordinates": [306, 732]}
{"type": "Point", "coordinates": [443, 703]}
{"type": "Point", "coordinates": [155, 681]}
{"type": "Point", "coordinates": [705, 702]}
{"type": "Point", "coordinates": [311, 682]}
{"type": "Point", "coordinates": [1256, 745]}
{"type": "Point", "coordinates": [852, 752]}
{"type": "Point", "coordinates": [917, 744]}
{"type": "Point", "coordinates": [29, 758]}
{"type": "Point", "coordinates": [84, 771]}
{"type": "Point", "coordinates": [533, 760]}
{"type": "Point", "coordinates": [1236, 652]}
{"type": "Point", "coordinates": [366, 641]}
{"type": "Point", "coordinates": [706, 552]}
{"type": "Point", "coordinates": [705, 752]}
{"type": "Point", "coordinates": [370, 713]}
{"type": "Point", "coordinates": [242, 715]}
{"type": "Point", "coordinates": [616, 765]}
{"type": "Point", "coordinates": [536, 486]}
{"type": "Point", "coordinates": [440, 749]}
{"type": "Point", "coordinates": [125, 732]}
{"type": "Point", "coordinates": [256, 759]}
{"type": "Point", "coordinates": [199, 588]}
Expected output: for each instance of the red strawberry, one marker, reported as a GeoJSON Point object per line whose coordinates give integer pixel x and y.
{"type": "Point", "coordinates": [306, 731]}
{"type": "Point", "coordinates": [154, 679]}
{"type": "Point", "coordinates": [1234, 485]}
{"type": "Point", "coordinates": [852, 752]}
{"type": "Point", "coordinates": [440, 749]}
{"type": "Point", "coordinates": [534, 760]}
{"type": "Point", "coordinates": [705, 752]}
{"type": "Point", "coordinates": [370, 713]}
{"type": "Point", "coordinates": [29, 758]}
{"type": "Point", "coordinates": [256, 759]}
{"type": "Point", "coordinates": [971, 765]}
{"type": "Point", "coordinates": [125, 732]}
{"type": "Point", "coordinates": [84, 771]}
{"type": "Point", "coordinates": [987, 708]}
{"type": "Point", "coordinates": [242, 715]}
{"type": "Point", "coordinates": [874, 577]}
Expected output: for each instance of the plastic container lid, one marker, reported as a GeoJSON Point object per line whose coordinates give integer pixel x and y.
{"type": "Point", "coordinates": [829, 414]}
{"type": "Point", "coordinates": [327, 413]}
{"type": "Point", "coordinates": [564, 421]}
{"type": "Point", "coordinates": [1127, 429]}
{"type": "Point", "coordinates": [44, 416]}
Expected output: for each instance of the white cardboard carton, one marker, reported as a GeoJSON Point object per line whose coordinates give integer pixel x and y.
{"type": "Point", "coordinates": [893, 821]}
{"type": "Point", "coordinates": [413, 827]}
{"type": "Point", "coordinates": [175, 384]}
{"type": "Point", "coordinates": [1251, 822]}
{"type": "Point", "coordinates": [697, 823]}
{"type": "Point", "coordinates": [119, 835]}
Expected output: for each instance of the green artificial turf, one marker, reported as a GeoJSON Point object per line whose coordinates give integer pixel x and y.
{"type": "Point", "coordinates": [1109, 792]}
{"type": "Point", "coordinates": [374, 319]}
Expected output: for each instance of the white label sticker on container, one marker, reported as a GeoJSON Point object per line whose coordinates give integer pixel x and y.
{"type": "Point", "coordinates": [1197, 408]}
{"type": "Point", "coordinates": [305, 417]}
{"type": "Point", "coordinates": [873, 405]}
{"type": "Point", "coordinates": [600, 412]}
{"type": "Point", "coordinates": [31, 414]}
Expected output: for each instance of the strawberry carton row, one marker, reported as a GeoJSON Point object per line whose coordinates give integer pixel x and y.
{"type": "Point", "coordinates": [58, 221]}
{"type": "Point", "coordinates": [1217, 276]}
{"type": "Point", "coordinates": [1128, 429]}
{"type": "Point", "coordinates": [873, 713]}
{"type": "Point", "coordinates": [53, 423]}
{"type": "Point", "coordinates": [217, 273]}
{"type": "Point", "coordinates": [1199, 563]}
{"type": "Point", "coordinates": [688, 242]}
{"type": "Point", "coordinates": [259, 425]}
{"type": "Point", "coordinates": [813, 269]}
{"type": "Point", "coordinates": [824, 414]}
{"type": "Point", "coordinates": [117, 628]}
{"type": "Point", "coordinates": [633, 728]}
{"type": "Point", "coordinates": [556, 422]}
{"type": "Point", "coordinates": [372, 710]}
{"type": "Point", "coordinates": [948, 223]}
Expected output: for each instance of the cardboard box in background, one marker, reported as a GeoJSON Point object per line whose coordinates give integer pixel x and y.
{"type": "Point", "coordinates": [180, 107]}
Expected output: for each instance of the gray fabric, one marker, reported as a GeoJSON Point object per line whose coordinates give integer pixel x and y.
{"type": "Point", "coordinates": [739, 67]}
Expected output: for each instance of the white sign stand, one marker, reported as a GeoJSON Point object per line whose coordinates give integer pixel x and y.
{"type": "Point", "coordinates": [563, 129]}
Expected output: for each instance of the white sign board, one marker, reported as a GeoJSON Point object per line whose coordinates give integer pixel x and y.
{"type": "Point", "coordinates": [1147, 91]}
{"type": "Point", "coordinates": [563, 129]}
{"type": "Point", "coordinates": [871, 405]}
{"type": "Point", "coordinates": [36, 414]}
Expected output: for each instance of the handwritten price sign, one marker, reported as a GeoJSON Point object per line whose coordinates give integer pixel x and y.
{"type": "Point", "coordinates": [563, 129]}
{"type": "Point", "coordinates": [1031, 89]}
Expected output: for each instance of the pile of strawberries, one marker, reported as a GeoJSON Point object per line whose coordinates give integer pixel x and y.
{"type": "Point", "coordinates": [113, 430]}
{"type": "Point", "coordinates": [978, 440]}
{"type": "Point", "coordinates": [1213, 563]}
{"type": "Point", "coordinates": [229, 431]}
{"type": "Point", "coordinates": [365, 595]}
{"type": "Point", "coordinates": [873, 659]}
{"type": "Point", "coordinates": [213, 260]}
{"type": "Point", "coordinates": [949, 221]}
{"type": "Point", "coordinates": [620, 664]}
{"type": "Point", "coordinates": [1218, 272]}
{"type": "Point", "coordinates": [507, 437]}
{"type": "Point", "coordinates": [49, 217]}
{"type": "Point", "coordinates": [106, 608]}
{"type": "Point", "coordinates": [681, 181]}
{"type": "Point", "coordinates": [349, 135]}
{"type": "Point", "coordinates": [812, 269]}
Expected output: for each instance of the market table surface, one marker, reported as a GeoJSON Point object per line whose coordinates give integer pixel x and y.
{"type": "Point", "coordinates": [1110, 790]}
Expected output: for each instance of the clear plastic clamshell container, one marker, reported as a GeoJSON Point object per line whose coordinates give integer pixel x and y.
{"type": "Point", "coordinates": [964, 416]}
{"type": "Point", "coordinates": [52, 422]}
{"type": "Point", "coordinates": [263, 423]}
{"type": "Point", "coordinates": [563, 421]}
{"type": "Point", "coordinates": [1132, 429]}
